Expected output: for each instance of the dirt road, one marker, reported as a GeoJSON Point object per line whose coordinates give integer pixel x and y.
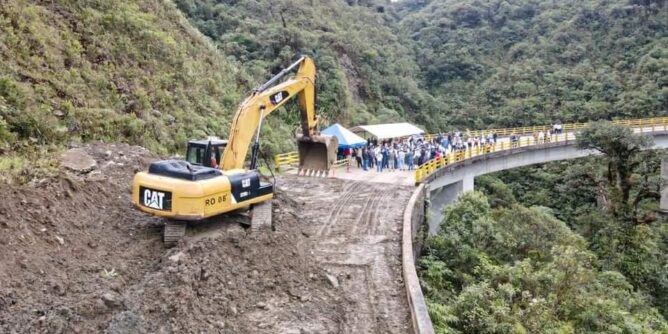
{"type": "Point", "coordinates": [355, 229]}
{"type": "Point", "coordinates": [75, 257]}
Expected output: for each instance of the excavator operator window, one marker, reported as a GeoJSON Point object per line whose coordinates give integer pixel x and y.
{"type": "Point", "coordinates": [215, 154]}
{"type": "Point", "coordinates": [216, 151]}
{"type": "Point", "coordinates": [196, 154]}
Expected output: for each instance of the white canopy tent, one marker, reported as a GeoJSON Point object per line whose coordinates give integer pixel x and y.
{"type": "Point", "coordinates": [387, 131]}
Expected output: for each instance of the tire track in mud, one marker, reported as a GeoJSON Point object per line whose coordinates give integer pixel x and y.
{"type": "Point", "coordinates": [369, 218]}
{"type": "Point", "coordinates": [341, 204]}
{"type": "Point", "coordinates": [355, 228]}
{"type": "Point", "coordinates": [375, 220]}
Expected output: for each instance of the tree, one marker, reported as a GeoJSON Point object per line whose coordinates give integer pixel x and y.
{"type": "Point", "coordinates": [621, 148]}
{"type": "Point", "coordinates": [515, 269]}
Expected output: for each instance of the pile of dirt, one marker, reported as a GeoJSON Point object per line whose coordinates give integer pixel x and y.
{"type": "Point", "coordinates": [236, 280]}
{"type": "Point", "coordinates": [76, 257]}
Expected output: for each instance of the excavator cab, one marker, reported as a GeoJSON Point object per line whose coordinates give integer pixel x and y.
{"type": "Point", "coordinates": [206, 152]}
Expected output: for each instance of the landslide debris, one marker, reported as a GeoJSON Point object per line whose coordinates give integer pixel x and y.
{"type": "Point", "coordinates": [77, 258]}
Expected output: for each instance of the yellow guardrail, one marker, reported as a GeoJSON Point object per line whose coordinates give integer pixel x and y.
{"type": "Point", "coordinates": [340, 163]}
{"type": "Point", "coordinates": [568, 127]}
{"type": "Point", "coordinates": [646, 125]}
{"type": "Point", "coordinates": [286, 159]}
{"type": "Point", "coordinates": [292, 159]}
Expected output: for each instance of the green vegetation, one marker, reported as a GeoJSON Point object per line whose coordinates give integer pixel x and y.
{"type": "Point", "coordinates": [621, 148]}
{"type": "Point", "coordinates": [609, 200]}
{"type": "Point", "coordinates": [515, 269]}
{"type": "Point", "coordinates": [122, 71]}
{"type": "Point", "coordinates": [137, 71]}
{"type": "Point", "coordinates": [456, 63]}
{"type": "Point", "coordinates": [366, 71]}
{"type": "Point", "coordinates": [521, 62]}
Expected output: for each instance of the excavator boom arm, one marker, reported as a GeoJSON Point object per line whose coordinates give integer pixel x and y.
{"type": "Point", "coordinates": [264, 100]}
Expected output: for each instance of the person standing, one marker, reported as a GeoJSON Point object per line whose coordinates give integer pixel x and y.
{"type": "Point", "coordinates": [353, 153]}
{"type": "Point", "coordinates": [372, 156]}
{"type": "Point", "coordinates": [391, 155]}
{"type": "Point", "coordinates": [365, 159]}
{"type": "Point", "coordinates": [401, 158]}
{"type": "Point", "coordinates": [541, 137]}
{"type": "Point", "coordinates": [379, 160]}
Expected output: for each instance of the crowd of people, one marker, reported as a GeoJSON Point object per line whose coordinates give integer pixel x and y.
{"type": "Point", "coordinates": [405, 154]}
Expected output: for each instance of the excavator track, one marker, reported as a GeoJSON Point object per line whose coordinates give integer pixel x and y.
{"type": "Point", "coordinates": [261, 215]}
{"type": "Point", "coordinates": [174, 231]}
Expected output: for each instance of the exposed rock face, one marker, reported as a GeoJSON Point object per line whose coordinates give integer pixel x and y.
{"type": "Point", "coordinates": [78, 160]}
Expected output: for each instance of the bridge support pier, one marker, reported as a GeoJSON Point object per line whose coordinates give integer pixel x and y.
{"type": "Point", "coordinates": [442, 197]}
{"type": "Point", "coordinates": [468, 182]}
{"type": "Point", "coordinates": [663, 207]}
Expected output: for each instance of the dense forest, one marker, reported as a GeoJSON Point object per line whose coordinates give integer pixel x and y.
{"type": "Point", "coordinates": [519, 62]}
{"type": "Point", "coordinates": [367, 72]}
{"type": "Point", "coordinates": [571, 247]}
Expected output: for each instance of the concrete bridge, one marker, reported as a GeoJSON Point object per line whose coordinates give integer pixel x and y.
{"type": "Point", "coordinates": [447, 181]}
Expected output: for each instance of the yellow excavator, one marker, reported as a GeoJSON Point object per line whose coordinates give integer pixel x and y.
{"type": "Point", "coordinates": [209, 184]}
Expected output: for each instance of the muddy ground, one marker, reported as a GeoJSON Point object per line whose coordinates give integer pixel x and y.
{"type": "Point", "coordinates": [75, 257]}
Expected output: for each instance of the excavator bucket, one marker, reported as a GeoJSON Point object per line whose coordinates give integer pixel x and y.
{"type": "Point", "coordinates": [317, 153]}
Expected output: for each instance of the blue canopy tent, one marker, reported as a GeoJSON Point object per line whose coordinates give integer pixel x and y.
{"type": "Point", "coordinates": [346, 138]}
